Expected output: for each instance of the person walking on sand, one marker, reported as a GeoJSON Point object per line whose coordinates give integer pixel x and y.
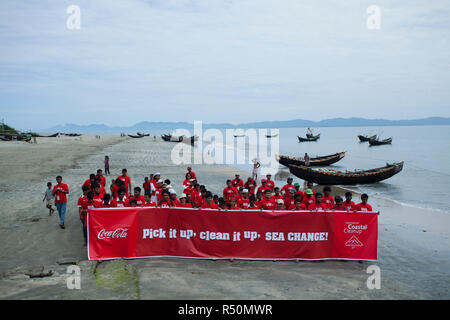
{"type": "Point", "coordinates": [50, 198]}
{"type": "Point", "coordinates": [107, 165]}
{"type": "Point", "coordinates": [60, 191]}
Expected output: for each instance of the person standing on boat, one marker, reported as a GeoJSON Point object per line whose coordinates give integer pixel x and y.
{"type": "Point", "coordinates": [256, 165]}
{"type": "Point", "coordinates": [306, 159]}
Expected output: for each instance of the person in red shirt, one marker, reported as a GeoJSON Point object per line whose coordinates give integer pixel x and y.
{"type": "Point", "coordinates": [277, 194]}
{"type": "Point", "coordinates": [165, 201]}
{"type": "Point", "coordinates": [89, 181]}
{"type": "Point", "coordinates": [286, 187]}
{"type": "Point", "coordinates": [348, 204]}
{"type": "Point", "coordinates": [250, 185]}
{"type": "Point", "coordinates": [101, 177]}
{"type": "Point", "coordinates": [187, 181]}
{"type": "Point", "coordinates": [259, 197]}
{"type": "Point", "coordinates": [289, 199]}
{"type": "Point", "coordinates": [363, 206]}
{"type": "Point", "coordinates": [233, 204]}
{"type": "Point", "coordinates": [60, 190]}
{"type": "Point", "coordinates": [140, 199]}
{"type": "Point", "coordinates": [338, 204]}
{"type": "Point", "coordinates": [209, 203]}
{"type": "Point", "coordinates": [308, 199]}
{"type": "Point", "coordinates": [222, 204]}
{"type": "Point", "coordinates": [87, 205]}
{"type": "Point", "coordinates": [310, 185]}
{"type": "Point", "coordinates": [229, 191]}
{"type": "Point", "coordinates": [280, 204]}
{"type": "Point", "coordinates": [98, 196]}
{"type": "Point", "coordinates": [244, 201]}
{"type": "Point", "coordinates": [267, 203]}
{"type": "Point", "coordinates": [183, 202]}
{"type": "Point", "coordinates": [121, 201]}
{"type": "Point", "coordinates": [263, 187]}
{"type": "Point", "coordinates": [82, 198]}
{"type": "Point", "coordinates": [297, 189]}
{"type": "Point", "coordinates": [147, 188]}
{"type": "Point", "coordinates": [252, 203]}
{"type": "Point", "coordinates": [106, 201]}
{"type": "Point", "coordinates": [327, 199]}
{"type": "Point", "coordinates": [173, 197]}
{"type": "Point", "coordinates": [269, 183]}
{"type": "Point", "coordinates": [237, 182]}
{"type": "Point", "coordinates": [126, 179]}
{"type": "Point", "coordinates": [298, 205]}
{"type": "Point", "coordinates": [318, 205]}
{"type": "Point", "coordinates": [192, 173]}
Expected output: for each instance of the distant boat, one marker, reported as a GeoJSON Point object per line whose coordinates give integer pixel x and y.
{"type": "Point", "coordinates": [366, 138]}
{"type": "Point", "coordinates": [376, 142]}
{"type": "Point", "coordinates": [271, 136]}
{"type": "Point", "coordinates": [334, 177]}
{"type": "Point", "coordinates": [309, 138]}
{"type": "Point", "coordinates": [132, 136]}
{"type": "Point", "coordinates": [313, 162]}
{"type": "Point", "coordinates": [142, 134]}
{"type": "Point", "coordinates": [239, 135]}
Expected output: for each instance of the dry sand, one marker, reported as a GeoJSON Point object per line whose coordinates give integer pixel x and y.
{"type": "Point", "coordinates": [414, 243]}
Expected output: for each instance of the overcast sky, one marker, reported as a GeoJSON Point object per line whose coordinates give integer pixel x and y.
{"type": "Point", "coordinates": [221, 61]}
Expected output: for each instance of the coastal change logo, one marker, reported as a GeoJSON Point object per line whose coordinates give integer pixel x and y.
{"type": "Point", "coordinates": [119, 233]}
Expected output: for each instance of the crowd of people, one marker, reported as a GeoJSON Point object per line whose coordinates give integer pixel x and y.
{"type": "Point", "coordinates": [237, 195]}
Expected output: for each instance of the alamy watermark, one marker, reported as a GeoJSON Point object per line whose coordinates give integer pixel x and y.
{"type": "Point", "coordinates": [74, 279]}
{"type": "Point", "coordinates": [374, 280]}
{"type": "Point", "coordinates": [229, 146]}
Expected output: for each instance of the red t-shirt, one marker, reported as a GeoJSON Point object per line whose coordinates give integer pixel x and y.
{"type": "Point", "coordinates": [363, 207]}
{"type": "Point", "coordinates": [251, 186]}
{"type": "Point", "coordinates": [262, 189]}
{"type": "Point", "coordinates": [293, 207]}
{"type": "Point", "coordinates": [270, 184]}
{"type": "Point", "coordinates": [193, 175]}
{"type": "Point", "coordinates": [115, 190]}
{"type": "Point", "coordinates": [288, 202]}
{"type": "Point", "coordinates": [117, 203]}
{"type": "Point", "coordinates": [308, 200]}
{"type": "Point", "coordinates": [286, 188]}
{"type": "Point", "coordinates": [140, 200]}
{"type": "Point", "coordinates": [229, 192]}
{"type": "Point", "coordinates": [87, 206]}
{"type": "Point", "coordinates": [236, 183]}
{"type": "Point", "coordinates": [328, 201]}
{"type": "Point", "coordinates": [105, 205]}
{"type": "Point", "coordinates": [126, 180]}
{"type": "Point", "coordinates": [150, 204]}
{"type": "Point", "coordinates": [186, 205]}
{"type": "Point", "coordinates": [60, 196]}
{"type": "Point", "coordinates": [98, 199]}
{"type": "Point", "coordinates": [81, 200]}
{"type": "Point", "coordinates": [165, 204]}
{"type": "Point", "coordinates": [318, 207]}
{"type": "Point", "coordinates": [146, 185]}
{"type": "Point", "coordinates": [102, 180]}
{"type": "Point", "coordinates": [276, 197]}
{"type": "Point", "coordinates": [339, 208]}
{"type": "Point", "coordinates": [349, 206]}
{"type": "Point", "coordinates": [209, 206]}
{"type": "Point", "coordinates": [243, 203]}
{"type": "Point", "coordinates": [268, 204]}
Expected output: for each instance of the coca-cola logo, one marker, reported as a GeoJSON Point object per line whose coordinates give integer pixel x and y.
{"type": "Point", "coordinates": [118, 233]}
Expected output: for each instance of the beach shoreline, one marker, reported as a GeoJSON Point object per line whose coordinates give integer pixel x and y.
{"type": "Point", "coordinates": [414, 263]}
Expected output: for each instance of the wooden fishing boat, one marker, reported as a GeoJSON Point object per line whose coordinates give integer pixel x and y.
{"type": "Point", "coordinates": [133, 136]}
{"type": "Point", "coordinates": [310, 138]}
{"type": "Point", "coordinates": [376, 142]}
{"type": "Point", "coordinates": [313, 162]}
{"type": "Point", "coordinates": [366, 138]}
{"type": "Point", "coordinates": [333, 177]}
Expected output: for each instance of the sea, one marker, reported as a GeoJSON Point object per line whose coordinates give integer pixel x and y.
{"type": "Point", "coordinates": [424, 181]}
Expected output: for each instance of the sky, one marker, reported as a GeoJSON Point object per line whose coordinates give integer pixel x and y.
{"type": "Point", "coordinates": [221, 61]}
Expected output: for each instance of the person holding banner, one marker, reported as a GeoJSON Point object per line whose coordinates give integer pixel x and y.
{"type": "Point", "coordinates": [267, 203]}
{"type": "Point", "coordinates": [209, 203]}
{"type": "Point", "coordinates": [183, 202]}
{"type": "Point", "coordinates": [363, 205]}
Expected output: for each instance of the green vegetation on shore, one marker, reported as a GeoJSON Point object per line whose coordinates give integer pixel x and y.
{"type": "Point", "coordinates": [4, 128]}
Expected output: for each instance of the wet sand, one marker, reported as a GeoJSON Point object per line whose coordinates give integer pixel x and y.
{"type": "Point", "coordinates": [414, 255]}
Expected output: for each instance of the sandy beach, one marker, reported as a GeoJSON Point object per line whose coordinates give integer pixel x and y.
{"type": "Point", "coordinates": [414, 254]}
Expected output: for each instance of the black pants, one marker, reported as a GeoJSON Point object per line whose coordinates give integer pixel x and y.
{"type": "Point", "coordinates": [107, 170]}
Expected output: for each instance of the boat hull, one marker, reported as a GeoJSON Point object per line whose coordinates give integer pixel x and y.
{"type": "Point", "coordinates": [313, 162]}
{"type": "Point", "coordinates": [341, 178]}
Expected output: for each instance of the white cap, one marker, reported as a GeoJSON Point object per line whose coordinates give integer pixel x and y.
{"type": "Point", "coordinates": [172, 191]}
{"type": "Point", "coordinates": [244, 190]}
{"type": "Point", "coordinates": [280, 201]}
{"type": "Point", "coordinates": [157, 174]}
{"type": "Point", "coordinates": [183, 195]}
